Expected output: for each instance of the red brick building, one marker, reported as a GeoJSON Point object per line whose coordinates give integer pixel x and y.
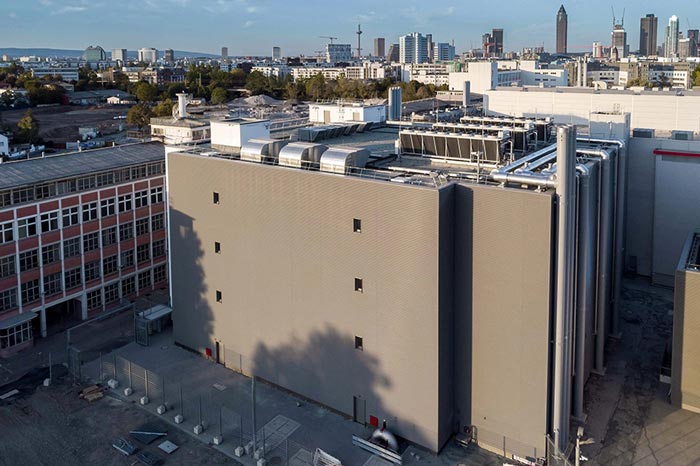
{"type": "Point", "coordinates": [80, 234]}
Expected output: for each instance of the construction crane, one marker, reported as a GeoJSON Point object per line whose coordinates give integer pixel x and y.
{"type": "Point", "coordinates": [329, 38]}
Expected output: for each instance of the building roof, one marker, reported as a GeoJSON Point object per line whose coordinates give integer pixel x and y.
{"type": "Point", "coordinates": [57, 167]}
{"type": "Point", "coordinates": [188, 122]}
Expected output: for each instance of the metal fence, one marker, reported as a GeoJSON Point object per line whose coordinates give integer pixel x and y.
{"type": "Point", "coordinates": [556, 457]}
{"type": "Point", "coordinates": [203, 407]}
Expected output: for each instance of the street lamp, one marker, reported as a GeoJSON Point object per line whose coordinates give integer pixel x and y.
{"type": "Point", "coordinates": [579, 442]}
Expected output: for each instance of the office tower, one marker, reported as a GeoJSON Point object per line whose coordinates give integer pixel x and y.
{"type": "Point", "coordinates": [562, 29]}
{"type": "Point", "coordinates": [685, 48]}
{"type": "Point", "coordinates": [618, 47]}
{"type": "Point", "coordinates": [497, 39]}
{"type": "Point", "coordinates": [148, 55]}
{"type": "Point", "coordinates": [671, 42]}
{"type": "Point", "coordinates": [119, 55]}
{"type": "Point", "coordinates": [647, 35]}
{"type": "Point", "coordinates": [431, 45]}
{"type": "Point", "coordinates": [224, 53]}
{"type": "Point", "coordinates": [413, 48]}
{"type": "Point", "coordinates": [487, 41]}
{"type": "Point", "coordinates": [94, 54]}
{"type": "Point", "coordinates": [276, 53]}
{"type": "Point", "coordinates": [379, 47]}
{"type": "Point", "coordinates": [338, 53]}
{"type": "Point", "coordinates": [694, 36]}
{"type": "Point", "coordinates": [443, 52]}
{"type": "Point", "coordinates": [597, 50]}
{"type": "Point", "coordinates": [393, 55]}
{"type": "Point", "coordinates": [169, 56]}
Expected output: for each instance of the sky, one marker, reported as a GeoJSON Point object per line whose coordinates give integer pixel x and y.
{"type": "Point", "coordinates": [253, 27]}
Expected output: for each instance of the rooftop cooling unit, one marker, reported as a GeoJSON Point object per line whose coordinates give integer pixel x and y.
{"type": "Point", "coordinates": [682, 135]}
{"type": "Point", "coordinates": [643, 133]}
{"type": "Point", "coordinates": [339, 159]}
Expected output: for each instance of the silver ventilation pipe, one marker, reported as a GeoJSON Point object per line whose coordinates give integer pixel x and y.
{"type": "Point", "coordinates": [620, 227]}
{"type": "Point", "coordinates": [605, 248]}
{"type": "Point", "coordinates": [585, 272]}
{"type": "Point", "coordinates": [566, 258]}
{"type": "Point", "coordinates": [517, 172]}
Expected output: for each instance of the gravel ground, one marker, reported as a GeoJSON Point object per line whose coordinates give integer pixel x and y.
{"type": "Point", "coordinates": [53, 427]}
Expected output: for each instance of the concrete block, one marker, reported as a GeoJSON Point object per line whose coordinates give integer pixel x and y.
{"type": "Point", "coordinates": [47, 382]}
{"type": "Point", "coordinates": [249, 448]}
{"type": "Point", "coordinates": [128, 391]}
{"type": "Point", "coordinates": [179, 419]}
{"type": "Point", "coordinates": [239, 451]}
{"type": "Point", "coordinates": [218, 440]}
{"type": "Point", "coordinates": [113, 384]}
{"type": "Point", "coordinates": [144, 400]}
{"type": "Point", "coordinates": [198, 429]}
{"type": "Point", "coordinates": [161, 409]}
{"type": "Point", "coordinates": [258, 454]}
{"type": "Point", "coordinates": [261, 462]}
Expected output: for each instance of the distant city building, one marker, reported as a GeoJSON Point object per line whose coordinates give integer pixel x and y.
{"type": "Point", "coordinates": [648, 35]}
{"type": "Point", "coordinates": [224, 53]}
{"type": "Point", "coordinates": [338, 53]}
{"type": "Point", "coordinates": [276, 53]}
{"type": "Point", "coordinates": [497, 36]}
{"type": "Point", "coordinates": [394, 53]}
{"type": "Point", "coordinates": [694, 36]}
{"type": "Point", "coordinates": [66, 74]}
{"type": "Point", "coordinates": [597, 50]}
{"type": "Point", "coordinates": [413, 48]}
{"type": "Point", "coordinates": [379, 50]}
{"type": "Point", "coordinates": [443, 51]}
{"type": "Point", "coordinates": [431, 45]}
{"type": "Point", "coordinates": [619, 48]}
{"type": "Point", "coordinates": [148, 55]}
{"type": "Point", "coordinates": [562, 29]}
{"type": "Point", "coordinates": [119, 55]}
{"type": "Point", "coordinates": [671, 40]}
{"type": "Point", "coordinates": [169, 56]}
{"type": "Point", "coordinates": [94, 54]}
{"type": "Point", "coordinates": [685, 49]}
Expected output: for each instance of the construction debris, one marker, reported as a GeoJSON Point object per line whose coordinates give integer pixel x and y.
{"type": "Point", "coordinates": [92, 393]}
{"type": "Point", "coordinates": [149, 459]}
{"type": "Point", "coordinates": [124, 447]}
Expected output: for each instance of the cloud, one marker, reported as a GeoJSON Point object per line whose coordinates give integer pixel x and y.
{"type": "Point", "coordinates": [69, 9]}
{"type": "Point", "coordinates": [248, 24]}
{"type": "Point", "coordinates": [12, 15]}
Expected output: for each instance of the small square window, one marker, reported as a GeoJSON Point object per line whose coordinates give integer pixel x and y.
{"type": "Point", "coordinates": [356, 225]}
{"type": "Point", "coordinates": [219, 297]}
{"type": "Point", "coordinates": [216, 197]}
{"type": "Point", "coordinates": [358, 343]}
{"type": "Point", "coordinates": [358, 285]}
{"type": "Point", "coordinates": [217, 247]}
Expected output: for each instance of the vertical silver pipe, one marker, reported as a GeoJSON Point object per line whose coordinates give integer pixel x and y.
{"type": "Point", "coordinates": [586, 268]}
{"type": "Point", "coordinates": [620, 235]}
{"type": "Point", "coordinates": [566, 179]}
{"type": "Point", "coordinates": [252, 400]}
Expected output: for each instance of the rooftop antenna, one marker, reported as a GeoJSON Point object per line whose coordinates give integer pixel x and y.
{"type": "Point", "coordinates": [359, 49]}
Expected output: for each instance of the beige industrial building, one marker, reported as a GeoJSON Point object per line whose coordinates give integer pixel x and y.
{"type": "Point", "coordinates": [436, 290]}
{"type": "Point", "coordinates": [685, 384]}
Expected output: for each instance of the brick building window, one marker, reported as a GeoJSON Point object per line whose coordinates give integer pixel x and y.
{"type": "Point", "coordinates": [142, 226]}
{"type": "Point", "coordinates": [71, 247]}
{"type": "Point", "coordinates": [111, 293]}
{"type": "Point", "coordinates": [49, 221]}
{"type": "Point", "coordinates": [109, 236]}
{"type": "Point", "coordinates": [127, 258]}
{"type": "Point", "coordinates": [30, 291]}
{"type": "Point", "coordinates": [7, 266]}
{"type": "Point", "coordinates": [128, 286]}
{"type": "Point", "coordinates": [126, 231]}
{"type": "Point", "coordinates": [92, 271]}
{"type": "Point", "coordinates": [157, 222]}
{"type": "Point", "coordinates": [73, 278]}
{"type": "Point", "coordinates": [70, 216]}
{"type": "Point", "coordinates": [8, 299]}
{"type": "Point", "coordinates": [6, 233]}
{"type": "Point", "coordinates": [160, 274]}
{"type": "Point", "coordinates": [91, 241]}
{"type": "Point", "coordinates": [157, 195]}
{"type": "Point", "coordinates": [107, 207]}
{"type": "Point", "coordinates": [28, 260]}
{"type": "Point", "coordinates": [110, 265]}
{"type": "Point", "coordinates": [94, 299]}
{"type": "Point", "coordinates": [51, 253]}
{"type": "Point", "coordinates": [145, 280]}
{"type": "Point", "coordinates": [141, 199]}
{"type": "Point", "coordinates": [90, 211]}
{"type": "Point", "coordinates": [125, 203]}
{"type": "Point", "coordinates": [159, 248]}
{"type": "Point", "coordinates": [26, 227]}
{"type": "Point", "coordinates": [143, 253]}
{"type": "Point", "coordinates": [53, 284]}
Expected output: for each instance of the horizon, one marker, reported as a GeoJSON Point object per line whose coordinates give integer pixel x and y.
{"type": "Point", "coordinates": [242, 25]}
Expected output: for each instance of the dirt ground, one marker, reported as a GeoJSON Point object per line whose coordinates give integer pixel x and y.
{"type": "Point", "coordinates": [53, 427]}
{"type": "Point", "coordinates": [60, 124]}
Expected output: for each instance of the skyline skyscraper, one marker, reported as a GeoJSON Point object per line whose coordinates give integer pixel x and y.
{"type": "Point", "coordinates": [671, 40]}
{"type": "Point", "coordinates": [379, 47]}
{"type": "Point", "coordinates": [497, 37]}
{"type": "Point", "coordinates": [413, 48]}
{"type": "Point", "coordinates": [562, 29]}
{"type": "Point", "coordinates": [648, 35]}
{"type": "Point", "coordinates": [224, 53]}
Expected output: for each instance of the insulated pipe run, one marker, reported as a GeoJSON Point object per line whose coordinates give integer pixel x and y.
{"type": "Point", "coordinates": [605, 249]}
{"type": "Point", "coordinates": [585, 272]}
{"type": "Point", "coordinates": [620, 233]}
{"type": "Point", "coordinates": [565, 186]}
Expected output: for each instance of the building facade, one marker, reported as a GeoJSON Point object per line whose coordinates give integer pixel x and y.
{"type": "Point", "coordinates": [442, 51]}
{"type": "Point", "coordinates": [169, 56]}
{"type": "Point", "coordinates": [119, 55]}
{"type": "Point", "coordinates": [648, 35]}
{"type": "Point", "coordinates": [276, 53]}
{"type": "Point", "coordinates": [148, 55]}
{"type": "Point", "coordinates": [671, 39]}
{"type": "Point", "coordinates": [497, 37]}
{"type": "Point", "coordinates": [379, 50]}
{"type": "Point", "coordinates": [94, 54]}
{"type": "Point", "coordinates": [338, 53]}
{"type": "Point", "coordinates": [81, 234]}
{"type": "Point", "coordinates": [562, 29]}
{"type": "Point", "coordinates": [413, 48]}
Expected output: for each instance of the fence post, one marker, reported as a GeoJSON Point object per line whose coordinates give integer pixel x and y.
{"type": "Point", "coordinates": [145, 377]}
{"type": "Point", "coordinates": [101, 369]}
{"type": "Point", "coordinates": [114, 360]}
{"type": "Point", "coordinates": [50, 370]}
{"type": "Point", "coordinates": [182, 407]}
{"type": "Point", "coordinates": [129, 367]}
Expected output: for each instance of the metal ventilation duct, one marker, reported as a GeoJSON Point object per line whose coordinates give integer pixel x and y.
{"type": "Point", "coordinates": [261, 150]}
{"type": "Point", "coordinates": [301, 155]}
{"type": "Point", "coordinates": [339, 159]}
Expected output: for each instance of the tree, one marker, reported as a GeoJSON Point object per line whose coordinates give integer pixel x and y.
{"type": "Point", "coordinates": [219, 96]}
{"type": "Point", "coordinates": [139, 115]}
{"type": "Point", "coordinates": [696, 77]}
{"type": "Point", "coordinates": [257, 83]}
{"type": "Point", "coordinates": [28, 127]}
{"type": "Point", "coordinates": [164, 108]}
{"type": "Point", "coordinates": [145, 92]}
